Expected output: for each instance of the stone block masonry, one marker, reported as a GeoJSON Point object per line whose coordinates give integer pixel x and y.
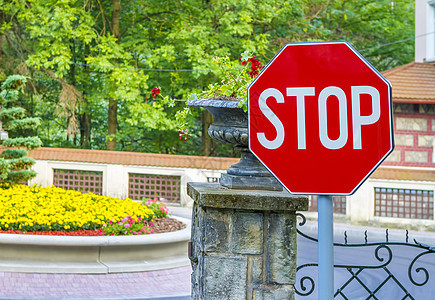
{"type": "Point", "coordinates": [243, 243]}
{"type": "Point", "coordinates": [414, 136]}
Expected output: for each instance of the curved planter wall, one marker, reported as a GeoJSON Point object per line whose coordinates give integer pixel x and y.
{"type": "Point", "coordinates": [96, 255]}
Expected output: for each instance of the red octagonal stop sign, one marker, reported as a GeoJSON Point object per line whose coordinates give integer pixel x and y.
{"type": "Point", "coordinates": [320, 118]}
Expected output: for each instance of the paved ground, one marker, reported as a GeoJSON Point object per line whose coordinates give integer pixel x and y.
{"type": "Point", "coordinates": [165, 284]}
{"type": "Point", "coordinates": [162, 285]}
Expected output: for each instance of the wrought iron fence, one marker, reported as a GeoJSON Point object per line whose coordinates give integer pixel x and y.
{"type": "Point", "coordinates": [357, 279]}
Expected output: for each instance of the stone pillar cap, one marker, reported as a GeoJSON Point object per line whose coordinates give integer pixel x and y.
{"type": "Point", "coordinates": [217, 196]}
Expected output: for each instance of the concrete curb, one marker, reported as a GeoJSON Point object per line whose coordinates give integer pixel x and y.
{"type": "Point", "coordinates": [94, 255]}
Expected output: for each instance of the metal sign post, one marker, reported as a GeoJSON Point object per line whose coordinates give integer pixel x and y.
{"type": "Point", "coordinates": [326, 247]}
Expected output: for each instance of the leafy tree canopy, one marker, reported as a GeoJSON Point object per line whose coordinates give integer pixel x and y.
{"type": "Point", "coordinates": [94, 63]}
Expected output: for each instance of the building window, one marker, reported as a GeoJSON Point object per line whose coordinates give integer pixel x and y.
{"type": "Point", "coordinates": [212, 179]}
{"type": "Point", "coordinates": [404, 203]}
{"type": "Point", "coordinates": [79, 180]}
{"type": "Point", "coordinates": [154, 186]}
{"type": "Point", "coordinates": [339, 204]}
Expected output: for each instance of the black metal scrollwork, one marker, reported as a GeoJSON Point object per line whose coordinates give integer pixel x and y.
{"type": "Point", "coordinates": [420, 269]}
{"type": "Point", "coordinates": [383, 254]}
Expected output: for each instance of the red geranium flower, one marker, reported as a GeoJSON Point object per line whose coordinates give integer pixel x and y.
{"type": "Point", "coordinates": [155, 91]}
{"type": "Point", "coordinates": [255, 66]}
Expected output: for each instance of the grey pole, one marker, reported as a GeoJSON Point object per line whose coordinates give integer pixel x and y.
{"type": "Point", "coordinates": [326, 247]}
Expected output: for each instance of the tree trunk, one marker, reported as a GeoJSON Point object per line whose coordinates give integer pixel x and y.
{"type": "Point", "coordinates": [85, 131]}
{"type": "Point", "coordinates": [115, 18]}
{"type": "Point", "coordinates": [85, 118]}
{"type": "Point", "coordinates": [207, 141]}
{"type": "Point", "coordinates": [112, 124]}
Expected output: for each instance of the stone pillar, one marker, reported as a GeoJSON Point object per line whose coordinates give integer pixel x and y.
{"type": "Point", "coordinates": [243, 243]}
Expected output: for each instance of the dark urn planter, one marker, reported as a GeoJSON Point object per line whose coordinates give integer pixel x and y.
{"type": "Point", "coordinates": [230, 125]}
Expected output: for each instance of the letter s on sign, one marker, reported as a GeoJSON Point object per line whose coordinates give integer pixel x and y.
{"type": "Point", "coordinates": [276, 122]}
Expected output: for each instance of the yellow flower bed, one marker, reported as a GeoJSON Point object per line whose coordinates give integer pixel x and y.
{"type": "Point", "coordinates": [51, 208]}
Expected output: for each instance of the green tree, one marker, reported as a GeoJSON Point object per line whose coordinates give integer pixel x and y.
{"type": "Point", "coordinates": [14, 165]}
{"type": "Point", "coordinates": [383, 31]}
{"type": "Point", "coordinates": [79, 47]}
{"type": "Point", "coordinates": [93, 63]}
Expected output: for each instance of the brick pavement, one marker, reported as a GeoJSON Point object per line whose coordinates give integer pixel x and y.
{"type": "Point", "coordinates": [161, 284]}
